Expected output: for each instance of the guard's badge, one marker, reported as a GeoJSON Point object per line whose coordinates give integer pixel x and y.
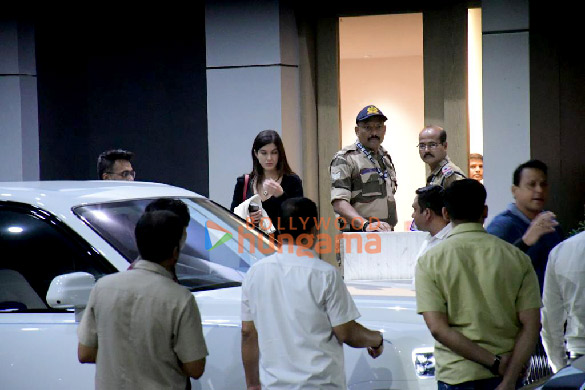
{"type": "Point", "coordinates": [447, 171]}
{"type": "Point", "coordinates": [373, 110]}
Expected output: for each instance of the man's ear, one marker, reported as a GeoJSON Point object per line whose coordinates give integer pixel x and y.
{"type": "Point", "coordinates": [428, 214]}
{"type": "Point", "coordinates": [356, 130]}
{"type": "Point", "coordinates": [514, 189]}
{"type": "Point", "coordinates": [485, 213]}
{"type": "Point", "coordinates": [445, 145]}
{"type": "Point", "coordinates": [445, 214]}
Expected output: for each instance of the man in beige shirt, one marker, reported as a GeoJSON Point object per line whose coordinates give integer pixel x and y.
{"type": "Point", "coordinates": [141, 328]}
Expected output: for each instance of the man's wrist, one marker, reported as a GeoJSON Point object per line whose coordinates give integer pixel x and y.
{"type": "Point", "coordinates": [381, 342]}
{"type": "Point", "coordinates": [365, 226]}
{"type": "Point", "coordinates": [495, 366]}
{"type": "Point", "coordinates": [522, 245]}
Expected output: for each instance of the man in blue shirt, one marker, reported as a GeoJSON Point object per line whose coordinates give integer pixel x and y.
{"type": "Point", "coordinates": [525, 223]}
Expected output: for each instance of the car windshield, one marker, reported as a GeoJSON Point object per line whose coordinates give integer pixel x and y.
{"type": "Point", "coordinates": [219, 249]}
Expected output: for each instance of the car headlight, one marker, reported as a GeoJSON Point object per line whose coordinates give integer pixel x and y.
{"type": "Point", "coordinates": [424, 362]}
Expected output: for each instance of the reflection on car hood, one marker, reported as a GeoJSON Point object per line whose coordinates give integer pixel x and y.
{"type": "Point", "coordinates": [385, 301]}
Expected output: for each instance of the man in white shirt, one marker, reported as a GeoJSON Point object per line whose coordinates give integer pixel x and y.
{"type": "Point", "coordinates": [564, 300]}
{"type": "Point", "coordinates": [297, 313]}
{"type": "Point", "coordinates": [428, 216]}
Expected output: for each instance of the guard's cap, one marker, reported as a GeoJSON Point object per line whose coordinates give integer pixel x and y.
{"type": "Point", "coordinates": [368, 112]}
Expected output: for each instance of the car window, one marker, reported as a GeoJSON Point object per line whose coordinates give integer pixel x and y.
{"type": "Point", "coordinates": [218, 251]}
{"type": "Point", "coordinates": [35, 247]}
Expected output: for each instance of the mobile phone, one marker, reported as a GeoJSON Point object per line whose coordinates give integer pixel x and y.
{"type": "Point", "coordinates": [253, 207]}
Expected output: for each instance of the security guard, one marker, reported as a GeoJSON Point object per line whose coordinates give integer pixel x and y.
{"type": "Point", "coordinates": [363, 178]}
{"type": "Point", "coordinates": [432, 148]}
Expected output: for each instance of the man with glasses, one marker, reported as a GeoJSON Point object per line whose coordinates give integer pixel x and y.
{"type": "Point", "coordinates": [363, 178]}
{"type": "Point", "coordinates": [115, 165]}
{"type": "Point", "coordinates": [432, 148]}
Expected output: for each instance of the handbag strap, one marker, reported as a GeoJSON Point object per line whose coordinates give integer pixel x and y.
{"type": "Point", "coordinates": [246, 180]}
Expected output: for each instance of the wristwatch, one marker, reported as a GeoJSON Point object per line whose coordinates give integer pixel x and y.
{"type": "Point", "coordinates": [381, 342]}
{"type": "Point", "coordinates": [365, 226]}
{"type": "Point", "coordinates": [495, 367]}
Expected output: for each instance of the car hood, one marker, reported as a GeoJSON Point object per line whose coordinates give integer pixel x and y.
{"type": "Point", "coordinates": [380, 303]}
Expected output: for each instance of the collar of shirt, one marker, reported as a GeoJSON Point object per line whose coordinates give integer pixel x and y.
{"type": "Point", "coordinates": [516, 211]}
{"type": "Point", "coordinates": [444, 232]}
{"type": "Point", "coordinates": [301, 251]}
{"type": "Point", "coordinates": [381, 150]}
{"type": "Point", "coordinates": [467, 227]}
{"type": "Point", "coordinates": [152, 267]}
{"type": "Point", "coordinates": [443, 162]}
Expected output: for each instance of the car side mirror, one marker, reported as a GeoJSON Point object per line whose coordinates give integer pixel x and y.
{"type": "Point", "coordinates": [71, 291]}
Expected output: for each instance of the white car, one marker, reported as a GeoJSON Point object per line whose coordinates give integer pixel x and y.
{"type": "Point", "coordinates": [56, 238]}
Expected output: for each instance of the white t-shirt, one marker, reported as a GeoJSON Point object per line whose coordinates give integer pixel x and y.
{"type": "Point", "coordinates": [295, 301]}
{"type": "Point", "coordinates": [564, 300]}
{"type": "Point", "coordinates": [435, 240]}
{"type": "Point", "coordinates": [430, 242]}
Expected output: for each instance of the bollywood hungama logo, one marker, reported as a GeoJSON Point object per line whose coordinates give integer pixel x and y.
{"type": "Point", "coordinates": [369, 242]}
{"type": "Point", "coordinates": [215, 235]}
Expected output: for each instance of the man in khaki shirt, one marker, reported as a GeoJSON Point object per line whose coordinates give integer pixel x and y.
{"type": "Point", "coordinates": [479, 297]}
{"type": "Point", "coordinates": [432, 148]}
{"type": "Point", "coordinates": [363, 178]}
{"type": "Point", "coordinates": [141, 328]}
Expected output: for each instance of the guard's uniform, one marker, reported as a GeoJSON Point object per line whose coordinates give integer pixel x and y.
{"type": "Point", "coordinates": [354, 178]}
{"type": "Point", "coordinates": [445, 174]}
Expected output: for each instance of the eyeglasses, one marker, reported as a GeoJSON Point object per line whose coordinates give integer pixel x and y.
{"type": "Point", "coordinates": [369, 128]}
{"type": "Point", "coordinates": [430, 145]}
{"type": "Point", "coordinates": [124, 174]}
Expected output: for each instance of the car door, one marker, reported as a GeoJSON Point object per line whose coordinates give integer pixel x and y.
{"type": "Point", "coordinates": [39, 344]}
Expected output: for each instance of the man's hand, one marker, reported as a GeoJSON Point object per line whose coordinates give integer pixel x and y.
{"type": "Point", "coordinates": [374, 352]}
{"type": "Point", "coordinates": [504, 363]}
{"type": "Point", "coordinates": [356, 336]}
{"type": "Point", "coordinates": [504, 385]}
{"type": "Point", "coordinates": [544, 223]}
{"type": "Point", "coordinates": [378, 226]}
{"type": "Point", "coordinates": [272, 188]}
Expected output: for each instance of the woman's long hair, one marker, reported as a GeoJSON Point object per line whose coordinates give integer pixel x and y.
{"type": "Point", "coordinates": [264, 138]}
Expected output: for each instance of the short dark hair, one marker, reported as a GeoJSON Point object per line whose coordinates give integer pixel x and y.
{"type": "Point", "coordinates": [431, 197]}
{"type": "Point", "coordinates": [158, 233]}
{"type": "Point", "coordinates": [443, 136]}
{"type": "Point", "coordinates": [298, 216]}
{"type": "Point", "coordinates": [107, 159]}
{"type": "Point", "coordinates": [534, 164]}
{"type": "Point", "coordinates": [465, 200]}
{"type": "Point", "coordinates": [175, 205]}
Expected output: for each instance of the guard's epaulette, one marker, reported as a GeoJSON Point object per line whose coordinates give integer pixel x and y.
{"type": "Point", "coordinates": [447, 170]}
{"type": "Point", "coordinates": [346, 150]}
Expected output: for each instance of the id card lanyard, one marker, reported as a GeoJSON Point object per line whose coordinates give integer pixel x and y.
{"type": "Point", "coordinates": [383, 175]}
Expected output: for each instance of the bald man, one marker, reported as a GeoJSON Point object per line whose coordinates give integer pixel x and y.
{"type": "Point", "coordinates": [432, 148]}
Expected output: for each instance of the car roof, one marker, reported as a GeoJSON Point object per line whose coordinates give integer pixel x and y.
{"type": "Point", "coordinates": [60, 195]}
